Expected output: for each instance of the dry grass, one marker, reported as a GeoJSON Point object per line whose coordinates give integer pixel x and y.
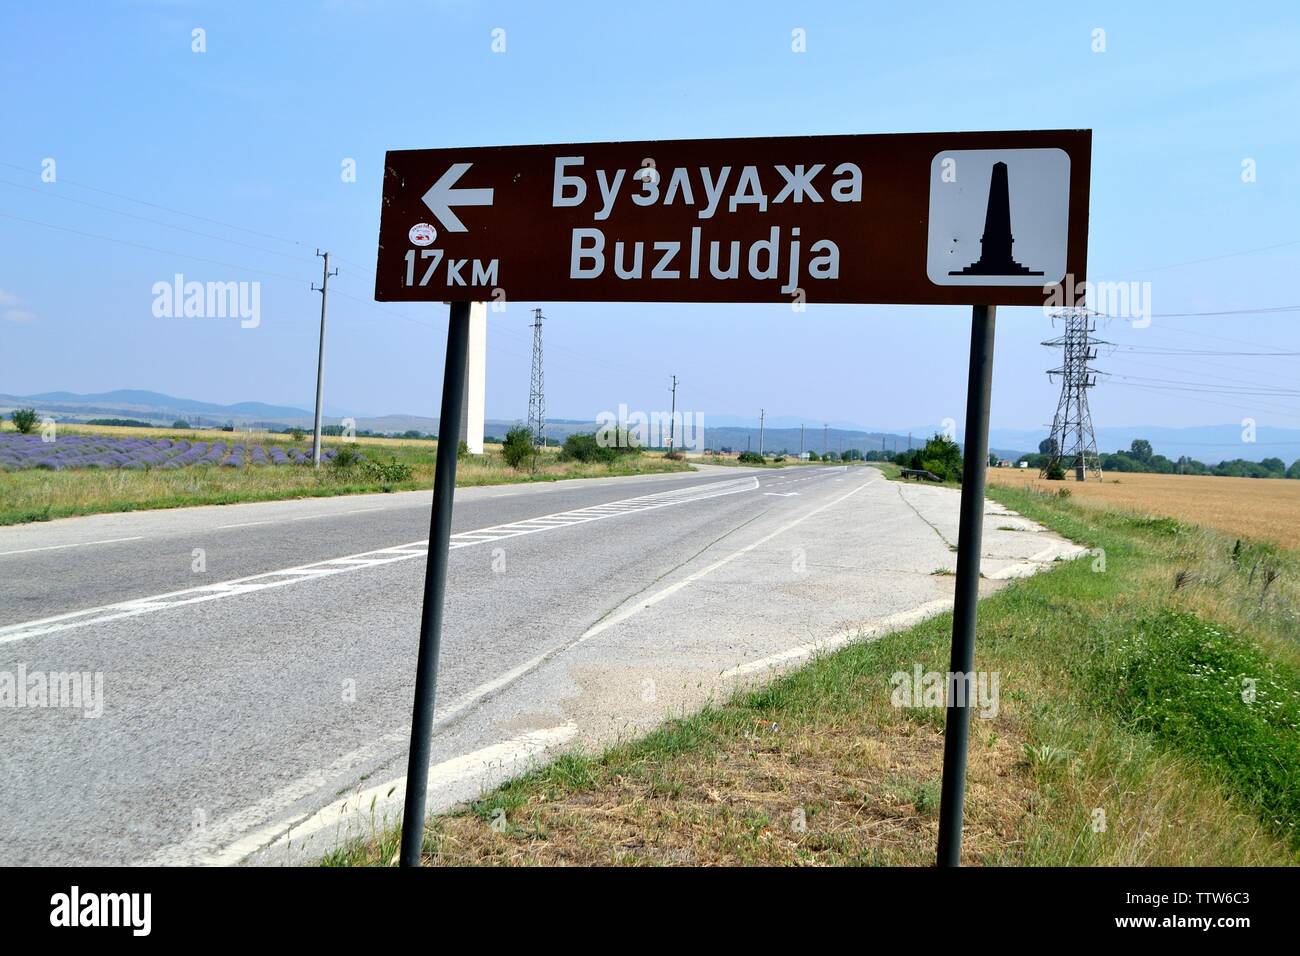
{"type": "Point", "coordinates": [858, 789]}
{"type": "Point", "coordinates": [1262, 509]}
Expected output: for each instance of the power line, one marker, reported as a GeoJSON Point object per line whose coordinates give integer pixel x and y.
{"type": "Point", "coordinates": [154, 205]}
{"type": "Point", "coordinates": [157, 222]}
{"type": "Point", "coordinates": [140, 245]}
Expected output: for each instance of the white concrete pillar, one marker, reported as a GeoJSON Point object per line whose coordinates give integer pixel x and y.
{"type": "Point", "coordinates": [475, 404]}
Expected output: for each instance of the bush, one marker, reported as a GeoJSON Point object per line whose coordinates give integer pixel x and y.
{"type": "Point", "coordinates": [24, 419]}
{"type": "Point", "coordinates": [345, 458]}
{"type": "Point", "coordinates": [941, 457]}
{"type": "Point", "coordinates": [676, 456]}
{"type": "Point", "coordinates": [751, 458]}
{"type": "Point", "coordinates": [296, 434]}
{"type": "Point", "coordinates": [585, 447]}
{"type": "Point", "coordinates": [518, 446]}
{"type": "Point", "coordinates": [462, 451]}
{"type": "Point", "coordinates": [180, 423]}
{"type": "Point", "coordinates": [1056, 473]}
{"type": "Point", "coordinates": [385, 471]}
{"type": "Point", "coordinates": [606, 448]}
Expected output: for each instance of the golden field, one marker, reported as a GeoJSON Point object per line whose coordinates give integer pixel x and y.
{"type": "Point", "coordinates": [1262, 509]}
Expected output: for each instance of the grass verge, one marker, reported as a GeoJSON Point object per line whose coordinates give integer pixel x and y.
{"type": "Point", "coordinates": [1147, 715]}
{"type": "Point", "coordinates": [40, 495]}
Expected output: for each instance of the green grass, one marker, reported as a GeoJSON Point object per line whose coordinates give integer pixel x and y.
{"type": "Point", "coordinates": [1122, 737]}
{"type": "Point", "coordinates": [40, 495]}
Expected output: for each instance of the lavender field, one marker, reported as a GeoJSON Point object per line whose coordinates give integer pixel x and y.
{"type": "Point", "coordinates": [22, 452]}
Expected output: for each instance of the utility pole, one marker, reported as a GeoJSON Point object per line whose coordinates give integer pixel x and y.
{"type": "Point", "coordinates": [320, 353]}
{"type": "Point", "coordinates": [824, 427]}
{"type": "Point", "coordinates": [536, 400]}
{"type": "Point", "coordinates": [761, 413]}
{"type": "Point", "coordinates": [801, 441]}
{"type": "Point", "coordinates": [672, 418]}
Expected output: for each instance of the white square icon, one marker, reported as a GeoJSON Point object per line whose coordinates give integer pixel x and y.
{"type": "Point", "coordinates": [998, 217]}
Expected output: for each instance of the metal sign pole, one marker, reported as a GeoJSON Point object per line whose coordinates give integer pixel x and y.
{"type": "Point", "coordinates": [956, 731]}
{"type": "Point", "coordinates": [435, 583]}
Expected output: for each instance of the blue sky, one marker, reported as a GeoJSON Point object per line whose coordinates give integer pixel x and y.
{"type": "Point", "coordinates": [252, 134]}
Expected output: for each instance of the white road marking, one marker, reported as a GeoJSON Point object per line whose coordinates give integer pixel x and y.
{"type": "Point", "coordinates": [77, 544]}
{"type": "Point", "coordinates": [781, 494]}
{"type": "Point", "coordinates": [248, 830]}
{"type": "Point", "coordinates": [672, 589]}
{"type": "Point", "coordinates": [508, 758]}
{"type": "Point", "coordinates": [234, 837]}
{"type": "Point", "coordinates": [803, 651]}
{"type": "Point", "coordinates": [354, 562]}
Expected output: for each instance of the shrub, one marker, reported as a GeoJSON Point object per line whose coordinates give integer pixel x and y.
{"type": "Point", "coordinates": [1056, 473]}
{"type": "Point", "coordinates": [462, 451]}
{"type": "Point", "coordinates": [941, 457]}
{"type": "Point", "coordinates": [751, 458]}
{"type": "Point", "coordinates": [518, 446]}
{"type": "Point", "coordinates": [385, 471]}
{"type": "Point", "coordinates": [587, 447]}
{"type": "Point", "coordinates": [180, 423]}
{"type": "Point", "coordinates": [24, 419]}
{"type": "Point", "coordinates": [345, 458]}
{"type": "Point", "coordinates": [296, 434]}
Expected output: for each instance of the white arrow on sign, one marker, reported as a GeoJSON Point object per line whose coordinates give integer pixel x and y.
{"type": "Point", "coordinates": [441, 197]}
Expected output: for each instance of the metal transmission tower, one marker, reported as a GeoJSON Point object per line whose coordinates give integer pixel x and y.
{"type": "Point", "coordinates": [1074, 445]}
{"type": "Point", "coordinates": [536, 403]}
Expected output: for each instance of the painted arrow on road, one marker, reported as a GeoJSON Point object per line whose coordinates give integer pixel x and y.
{"type": "Point", "coordinates": [441, 197]}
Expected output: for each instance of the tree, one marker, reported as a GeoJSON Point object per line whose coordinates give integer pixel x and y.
{"type": "Point", "coordinates": [24, 419]}
{"type": "Point", "coordinates": [180, 423]}
{"type": "Point", "coordinates": [1047, 446]}
{"type": "Point", "coordinates": [941, 456]}
{"type": "Point", "coordinates": [518, 446]}
{"type": "Point", "coordinates": [1294, 470]}
{"type": "Point", "coordinates": [993, 460]}
{"type": "Point", "coordinates": [1141, 450]}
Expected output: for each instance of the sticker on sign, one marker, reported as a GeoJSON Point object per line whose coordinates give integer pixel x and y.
{"type": "Point", "coordinates": [929, 218]}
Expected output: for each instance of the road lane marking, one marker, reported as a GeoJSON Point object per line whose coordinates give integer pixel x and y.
{"type": "Point", "coordinates": [76, 544]}
{"type": "Point", "coordinates": [248, 830]}
{"type": "Point", "coordinates": [652, 600]}
{"type": "Point", "coordinates": [355, 562]}
{"type": "Point", "coordinates": [231, 838]}
{"type": "Point", "coordinates": [866, 632]}
{"type": "Point", "coordinates": [496, 761]}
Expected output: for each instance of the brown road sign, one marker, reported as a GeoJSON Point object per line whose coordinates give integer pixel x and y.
{"type": "Point", "coordinates": [929, 218]}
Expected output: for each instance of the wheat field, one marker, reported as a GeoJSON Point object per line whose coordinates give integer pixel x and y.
{"type": "Point", "coordinates": [1262, 509]}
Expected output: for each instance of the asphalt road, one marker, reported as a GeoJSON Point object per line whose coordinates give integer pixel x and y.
{"type": "Point", "coordinates": [257, 660]}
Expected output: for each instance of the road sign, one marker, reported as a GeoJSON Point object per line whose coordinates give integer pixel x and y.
{"type": "Point", "coordinates": [977, 219]}
{"type": "Point", "coordinates": [930, 218]}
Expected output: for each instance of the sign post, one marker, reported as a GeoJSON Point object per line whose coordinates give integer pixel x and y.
{"type": "Point", "coordinates": [979, 219]}
{"type": "Point", "coordinates": [970, 534]}
{"type": "Point", "coordinates": [435, 583]}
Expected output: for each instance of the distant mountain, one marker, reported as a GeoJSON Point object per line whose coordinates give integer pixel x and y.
{"type": "Point", "coordinates": [145, 402]}
{"type": "Point", "coordinates": [1207, 443]}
